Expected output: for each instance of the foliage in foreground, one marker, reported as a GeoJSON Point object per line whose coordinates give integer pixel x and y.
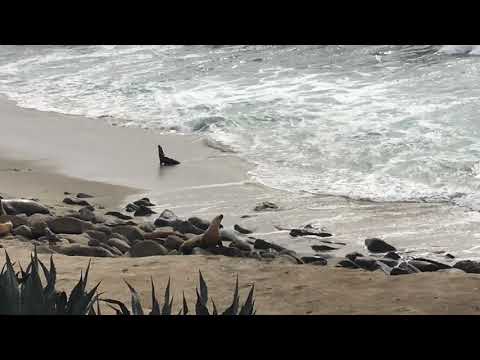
{"type": "Point", "coordinates": [23, 293]}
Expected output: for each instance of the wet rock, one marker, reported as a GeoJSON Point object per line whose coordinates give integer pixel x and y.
{"type": "Point", "coordinates": [240, 244]}
{"type": "Point", "coordinates": [346, 263]}
{"type": "Point", "coordinates": [449, 256]}
{"type": "Point", "coordinates": [200, 251]}
{"type": "Point", "coordinates": [305, 232]}
{"type": "Point", "coordinates": [84, 196]}
{"type": "Point", "coordinates": [131, 208]}
{"type": "Point", "coordinates": [119, 215]}
{"type": "Point", "coordinates": [376, 245]}
{"type": "Point", "coordinates": [85, 214]}
{"type": "Point", "coordinates": [147, 227]}
{"type": "Point", "coordinates": [390, 262]}
{"type": "Point", "coordinates": [468, 266]}
{"type": "Point", "coordinates": [82, 250]}
{"type": "Point", "coordinates": [144, 211]}
{"type": "Point", "coordinates": [265, 206]}
{"type": "Point", "coordinates": [68, 225]}
{"type": "Point", "coordinates": [367, 263]}
{"type": "Point", "coordinates": [23, 230]}
{"type": "Point", "coordinates": [392, 255]}
{"type": "Point", "coordinates": [99, 235]}
{"type": "Point", "coordinates": [311, 259]}
{"type": "Point", "coordinates": [264, 245]}
{"type": "Point", "coordinates": [409, 267]}
{"type": "Point", "coordinates": [353, 255]}
{"type": "Point", "coordinates": [168, 214]}
{"type": "Point", "coordinates": [143, 202]}
{"type": "Point", "coordinates": [423, 266]}
{"type": "Point", "coordinates": [199, 223]}
{"type": "Point", "coordinates": [121, 245]}
{"type": "Point", "coordinates": [439, 265]}
{"type": "Point", "coordinates": [173, 242]}
{"type": "Point", "coordinates": [38, 223]}
{"type": "Point", "coordinates": [147, 248]}
{"type": "Point", "coordinates": [242, 230]}
{"type": "Point", "coordinates": [323, 248]}
{"type": "Point", "coordinates": [322, 262]}
{"type": "Point", "coordinates": [130, 232]}
{"type": "Point", "coordinates": [72, 201]}
{"type": "Point", "coordinates": [399, 271]}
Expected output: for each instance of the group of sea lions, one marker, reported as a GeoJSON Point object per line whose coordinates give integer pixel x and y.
{"type": "Point", "coordinates": [15, 207]}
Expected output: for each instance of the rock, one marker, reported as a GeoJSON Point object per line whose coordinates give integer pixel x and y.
{"type": "Point", "coordinates": [199, 223]}
{"type": "Point", "coordinates": [346, 263]}
{"type": "Point", "coordinates": [84, 196]}
{"type": "Point", "coordinates": [116, 222]}
{"type": "Point", "coordinates": [304, 232]}
{"type": "Point", "coordinates": [323, 248]}
{"type": "Point", "coordinates": [143, 202]}
{"type": "Point", "coordinates": [266, 205]}
{"type": "Point", "coordinates": [409, 267]}
{"type": "Point", "coordinates": [129, 231]}
{"type": "Point", "coordinates": [173, 242]}
{"type": "Point", "coordinates": [399, 271]}
{"type": "Point", "coordinates": [119, 215]}
{"type": "Point", "coordinates": [103, 228]}
{"type": "Point", "coordinates": [147, 227]}
{"type": "Point", "coordinates": [16, 220]}
{"type": "Point", "coordinates": [178, 225]}
{"type": "Point", "coordinates": [71, 201]}
{"type": "Point", "coordinates": [264, 245]}
{"type": "Point", "coordinates": [468, 266]}
{"type": "Point", "coordinates": [449, 256]}
{"type": "Point", "coordinates": [353, 255]}
{"type": "Point", "coordinates": [200, 251]}
{"type": "Point", "coordinates": [121, 245]}
{"type": "Point", "coordinates": [226, 251]}
{"type": "Point", "coordinates": [439, 265]}
{"type": "Point", "coordinates": [375, 245]}
{"type": "Point", "coordinates": [242, 230]}
{"type": "Point", "coordinates": [321, 262]}
{"type": "Point", "coordinates": [240, 244]}
{"type": "Point", "coordinates": [367, 263]}
{"type": "Point", "coordinates": [23, 230]}
{"type": "Point", "coordinates": [98, 235]}
{"type": "Point", "coordinates": [38, 224]}
{"type": "Point", "coordinates": [82, 250]}
{"type": "Point", "coordinates": [392, 255]}
{"type": "Point", "coordinates": [390, 262]}
{"type": "Point", "coordinates": [131, 208]}
{"type": "Point", "coordinates": [312, 259]}
{"type": "Point", "coordinates": [143, 211]}
{"type": "Point", "coordinates": [85, 214]}
{"type": "Point", "coordinates": [147, 248]}
{"type": "Point", "coordinates": [112, 249]}
{"type": "Point", "coordinates": [82, 239]}
{"type": "Point", "coordinates": [68, 225]}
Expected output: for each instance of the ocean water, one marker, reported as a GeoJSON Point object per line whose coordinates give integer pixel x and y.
{"type": "Point", "coordinates": [385, 123]}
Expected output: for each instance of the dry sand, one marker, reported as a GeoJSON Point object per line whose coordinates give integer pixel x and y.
{"type": "Point", "coordinates": [44, 154]}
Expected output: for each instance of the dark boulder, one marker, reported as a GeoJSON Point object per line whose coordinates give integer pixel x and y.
{"type": "Point", "coordinates": [367, 263]}
{"type": "Point", "coordinates": [131, 208]}
{"type": "Point", "coordinates": [323, 248]}
{"type": "Point", "coordinates": [439, 265]}
{"type": "Point", "coordinates": [144, 211]}
{"type": "Point", "coordinates": [353, 255]}
{"type": "Point", "coordinates": [84, 196]}
{"type": "Point", "coordinates": [346, 263]}
{"type": "Point", "coordinates": [119, 215]}
{"type": "Point", "coordinates": [143, 202]}
{"type": "Point", "coordinates": [147, 248]}
{"type": "Point", "coordinates": [468, 266]}
{"type": "Point", "coordinates": [392, 255]}
{"type": "Point", "coordinates": [199, 223]}
{"type": "Point", "coordinates": [71, 201]}
{"type": "Point", "coordinates": [376, 245]}
{"type": "Point", "coordinates": [242, 230]}
{"type": "Point", "coordinates": [305, 231]}
{"type": "Point", "coordinates": [130, 232]}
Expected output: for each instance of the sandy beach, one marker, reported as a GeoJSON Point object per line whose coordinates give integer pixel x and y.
{"type": "Point", "coordinates": [43, 155]}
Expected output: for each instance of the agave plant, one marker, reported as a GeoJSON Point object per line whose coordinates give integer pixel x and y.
{"type": "Point", "coordinates": [200, 306]}
{"type": "Point", "coordinates": [25, 294]}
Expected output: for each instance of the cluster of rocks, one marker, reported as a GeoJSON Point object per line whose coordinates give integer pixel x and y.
{"type": "Point", "coordinates": [89, 232]}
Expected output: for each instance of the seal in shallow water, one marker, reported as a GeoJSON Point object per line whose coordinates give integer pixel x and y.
{"type": "Point", "coordinates": [210, 238]}
{"type": "Point", "coordinates": [165, 161]}
{"type": "Point", "coordinates": [21, 206]}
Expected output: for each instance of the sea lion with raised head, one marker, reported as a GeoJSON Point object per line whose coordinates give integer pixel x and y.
{"type": "Point", "coordinates": [165, 161]}
{"type": "Point", "coordinates": [210, 238]}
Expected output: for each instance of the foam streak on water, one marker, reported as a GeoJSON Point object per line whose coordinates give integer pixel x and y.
{"type": "Point", "coordinates": [375, 122]}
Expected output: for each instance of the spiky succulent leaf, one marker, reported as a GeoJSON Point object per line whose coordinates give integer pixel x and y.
{"type": "Point", "coordinates": [10, 295]}
{"type": "Point", "coordinates": [233, 309]}
{"type": "Point", "coordinates": [136, 304]}
{"type": "Point", "coordinates": [155, 305]}
{"type": "Point", "coordinates": [215, 312]}
{"type": "Point", "coordinates": [248, 307]}
{"type": "Point", "coordinates": [203, 290]}
{"type": "Point", "coordinates": [200, 308]}
{"type": "Point", "coordinates": [124, 309]}
{"type": "Point", "coordinates": [185, 307]}
{"type": "Point", "coordinates": [167, 305]}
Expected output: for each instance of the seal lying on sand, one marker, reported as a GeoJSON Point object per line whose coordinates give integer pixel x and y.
{"type": "Point", "coordinates": [6, 228]}
{"type": "Point", "coordinates": [165, 161]}
{"type": "Point", "coordinates": [210, 238]}
{"type": "Point", "coordinates": [21, 206]}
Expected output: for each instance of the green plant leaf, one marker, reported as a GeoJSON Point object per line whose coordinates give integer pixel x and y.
{"type": "Point", "coordinates": [203, 290]}
{"type": "Point", "coordinates": [233, 309]}
{"type": "Point", "coordinates": [124, 309]}
{"type": "Point", "coordinates": [155, 305]}
{"type": "Point", "coordinates": [200, 308]}
{"type": "Point", "coordinates": [247, 308]}
{"type": "Point", "coordinates": [136, 304]}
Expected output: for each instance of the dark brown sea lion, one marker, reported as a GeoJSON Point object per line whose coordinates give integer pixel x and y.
{"type": "Point", "coordinates": [166, 161]}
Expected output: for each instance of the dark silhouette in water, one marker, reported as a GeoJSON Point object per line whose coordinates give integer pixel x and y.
{"type": "Point", "coordinates": [166, 161]}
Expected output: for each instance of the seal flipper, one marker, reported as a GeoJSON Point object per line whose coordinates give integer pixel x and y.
{"type": "Point", "coordinates": [166, 161]}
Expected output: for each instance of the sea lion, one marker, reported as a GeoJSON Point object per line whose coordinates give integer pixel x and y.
{"type": "Point", "coordinates": [21, 206]}
{"type": "Point", "coordinates": [6, 228]}
{"type": "Point", "coordinates": [165, 161]}
{"type": "Point", "coordinates": [210, 238]}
